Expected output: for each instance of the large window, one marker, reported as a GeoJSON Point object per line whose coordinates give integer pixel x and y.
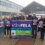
{"type": "Point", "coordinates": [6, 4]}
{"type": "Point", "coordinates": [10, 4]}
{"type": "Point", "coordinates": [7, 13]}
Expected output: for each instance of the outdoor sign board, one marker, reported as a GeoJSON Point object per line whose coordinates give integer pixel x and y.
{"type": "Point", "coordinates": [21, 28]}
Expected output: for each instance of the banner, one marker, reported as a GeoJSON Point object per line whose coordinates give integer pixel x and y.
{"type": "Point", "coordinates": [21, 28]}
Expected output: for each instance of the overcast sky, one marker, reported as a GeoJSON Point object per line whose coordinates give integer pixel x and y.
{"type": "Point", "coordinates": [26, 2]}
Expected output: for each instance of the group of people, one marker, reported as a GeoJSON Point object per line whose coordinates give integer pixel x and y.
{"type": "Point", "coordinates": [38, 24]}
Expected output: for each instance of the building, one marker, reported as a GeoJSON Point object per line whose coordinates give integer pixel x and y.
{"type": "Point", "coordinates": [9, 8]}
{"type": "Point", "coordinates": [34, 7]}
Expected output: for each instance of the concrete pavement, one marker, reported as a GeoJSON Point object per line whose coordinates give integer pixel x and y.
{"type": "Point", "coordinates": [8, 41]}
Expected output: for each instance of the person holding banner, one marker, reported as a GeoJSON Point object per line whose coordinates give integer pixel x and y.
{"type": "Point", "coordinates": [7, 27]}
{"type": "Point", "coordinates": [34, 27]}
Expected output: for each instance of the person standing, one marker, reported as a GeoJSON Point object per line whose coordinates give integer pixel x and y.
{"type": "Point", "coordinates": [34, 26]}
{"type": "Point", "coordinates": [29, 17]}
{"type": "Point", "coordinates": [41, 29]}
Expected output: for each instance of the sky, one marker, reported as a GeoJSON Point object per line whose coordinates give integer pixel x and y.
{"type": "Point", "coordinates": [26, 2]}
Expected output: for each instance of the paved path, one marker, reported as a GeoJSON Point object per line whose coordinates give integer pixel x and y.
{"type": "Point", "coordinates": [38, 41]}
{"type": "Point", "coordinates": [25, 42]}
{"type": "Point", "coordinates": [8, 41]}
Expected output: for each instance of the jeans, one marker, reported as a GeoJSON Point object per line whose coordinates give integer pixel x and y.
{"type": "Point", "coordinates": [1, 31]}
{"type": "Point", "coordinates": [42, 34]}
{"type": "Point", "coordinates": [34, 31]}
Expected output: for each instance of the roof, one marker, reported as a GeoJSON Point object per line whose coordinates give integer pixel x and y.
{"type": "Point", "coordinates": [33, 7]}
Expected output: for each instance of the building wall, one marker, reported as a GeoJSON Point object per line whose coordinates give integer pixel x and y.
{"type": "Point", "coordinates": [7, 9]}
{"type": "Point", "coordinates": [8, 6]}
{"type": "Point", "coordinates": [8, 3]}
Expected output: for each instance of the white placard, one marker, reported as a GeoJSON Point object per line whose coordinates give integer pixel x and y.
{"type": "Point", "coordinates": [13, 33]}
